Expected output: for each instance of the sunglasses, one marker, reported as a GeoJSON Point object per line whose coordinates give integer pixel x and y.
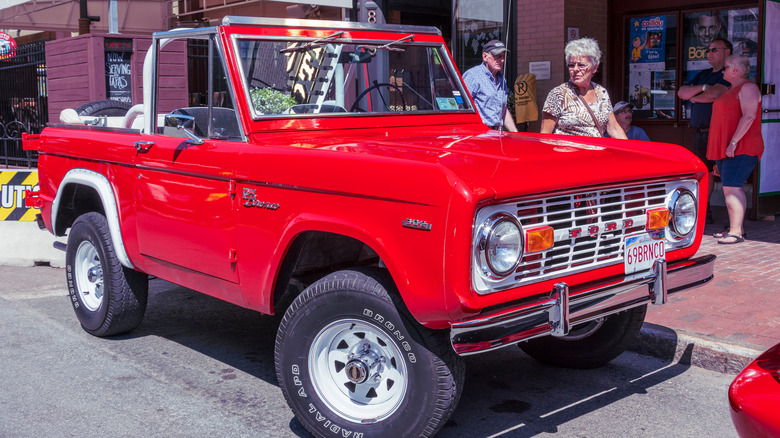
{"type": "Point", "coordinates": [715, 49]}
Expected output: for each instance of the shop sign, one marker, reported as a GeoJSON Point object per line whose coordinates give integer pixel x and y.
{"type": "Point", "coordinates": [7, 46]}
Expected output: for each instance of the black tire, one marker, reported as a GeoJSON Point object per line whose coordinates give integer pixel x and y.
{"type": "Point", "coordinates": [410, 393]}
{"type": "Point", "coordinates": [106, 107]}
{"type": "Point", "coordinates": [108, 298]}
{"type": "Point", "coordinates": [589, 345]}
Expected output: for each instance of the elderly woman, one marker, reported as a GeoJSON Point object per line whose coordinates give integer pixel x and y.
{"type": "Point", "coordinates": [579, 106]}
{"type": "Point", "coordinates": [735, 142]}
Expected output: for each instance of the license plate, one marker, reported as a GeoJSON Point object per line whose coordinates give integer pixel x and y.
{"type": "Point", "coordinates": [641, 252]}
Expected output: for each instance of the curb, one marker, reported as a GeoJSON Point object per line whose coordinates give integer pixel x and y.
{"type": "Point", "coordinates": [671, 345]}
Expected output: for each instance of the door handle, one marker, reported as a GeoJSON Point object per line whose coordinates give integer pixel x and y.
{"type": "Point", "coordinates": [143, 146]}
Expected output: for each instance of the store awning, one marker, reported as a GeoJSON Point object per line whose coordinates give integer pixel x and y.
{"type": "Point", "coordinates": [135, 16]}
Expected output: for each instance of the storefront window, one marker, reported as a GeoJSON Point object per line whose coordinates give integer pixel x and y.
{"type": "Point", "coordinates": [652, 58]}
{"type": "Point", "coordinates": [477, 22]}
{"type": "Point", "coordinates": [653, 70]}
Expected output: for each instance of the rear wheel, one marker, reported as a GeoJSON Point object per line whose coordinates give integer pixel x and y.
{"type": "Point", "coordinates": [352, 361]}
{"type": "Point", "coordinates": [591, 344]}
{"type": "Point", "coordinates": [108, 298]}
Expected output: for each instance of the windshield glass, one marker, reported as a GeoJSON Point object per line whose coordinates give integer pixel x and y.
{"type": "Point", "coordinates": [327, 77]}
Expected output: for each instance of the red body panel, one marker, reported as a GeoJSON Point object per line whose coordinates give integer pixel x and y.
{"type": "Point", "coordinates": [754, 397]}
{"type": "Point", "coordinates": [182, 218]}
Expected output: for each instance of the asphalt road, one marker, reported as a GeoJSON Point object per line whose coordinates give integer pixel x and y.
{"type": "Point", "coordinates": [201, 367]}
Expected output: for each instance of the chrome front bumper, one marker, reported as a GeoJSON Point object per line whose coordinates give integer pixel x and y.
{"type": "Point", "coordinates": [564, 307]}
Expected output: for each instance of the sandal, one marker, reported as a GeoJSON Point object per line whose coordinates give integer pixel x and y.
{"type": "Point", "coordinates": [738, 239]}
{"type": "Point", "coordinates": [721, 234]}
{"type": "Point", "coordinates": [725, 232]}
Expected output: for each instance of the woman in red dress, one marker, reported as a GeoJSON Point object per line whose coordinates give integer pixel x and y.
{"type": "Point", "coordinates": [735, 142]}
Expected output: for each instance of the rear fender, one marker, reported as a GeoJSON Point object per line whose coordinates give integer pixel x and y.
{"type": "Point", "coordinates": [103, 188]}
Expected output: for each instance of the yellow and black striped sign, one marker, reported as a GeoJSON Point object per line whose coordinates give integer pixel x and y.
{"type": "Point", "coordinates": [13, 183]}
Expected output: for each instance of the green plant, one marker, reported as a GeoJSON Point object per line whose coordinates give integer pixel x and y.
{"type": "Point", "coordinates": [270, 101]}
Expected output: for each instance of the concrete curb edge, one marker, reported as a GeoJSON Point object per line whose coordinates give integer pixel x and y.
{"type": "Point", "coordinates": [668, 344]}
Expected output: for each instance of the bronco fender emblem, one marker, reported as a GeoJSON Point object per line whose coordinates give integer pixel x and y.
{"type": "Point", "coordinates": [250, 200]}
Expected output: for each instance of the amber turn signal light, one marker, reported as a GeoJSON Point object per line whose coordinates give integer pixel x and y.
{"type": "Point", "coordinates": [657, 218]}
{"type": "Point", "coordinates": [539, 239]}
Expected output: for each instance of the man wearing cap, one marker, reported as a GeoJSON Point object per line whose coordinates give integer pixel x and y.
{"type": "Point", "coordinates": [489, 89]}
{"type": "Point", "coordinates": [624, 113]}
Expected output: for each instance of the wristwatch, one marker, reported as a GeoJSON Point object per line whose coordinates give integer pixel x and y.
{"type": "Point", "coordinates": [733, 142]}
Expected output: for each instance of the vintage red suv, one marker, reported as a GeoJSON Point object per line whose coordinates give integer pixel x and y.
{"type": "Point", "coordinates": [338, 173]}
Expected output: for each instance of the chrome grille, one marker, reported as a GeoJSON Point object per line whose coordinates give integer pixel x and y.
{"type": "Point", "coordinates": [603, 216]}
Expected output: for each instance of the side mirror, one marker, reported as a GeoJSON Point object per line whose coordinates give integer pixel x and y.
{"type": "Point", "coordinates": [184, 124]}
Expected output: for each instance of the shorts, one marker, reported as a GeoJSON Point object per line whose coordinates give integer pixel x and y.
{"type": "Point", "coordinates": [734, 172]}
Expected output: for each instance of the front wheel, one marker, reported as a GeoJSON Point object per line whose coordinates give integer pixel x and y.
{"type": "Point", "coordinates": [108, 298]}
{"type": "Point", "coordinates": [352, 362]}
{"type": "Point", "coordinates": [591, 344]}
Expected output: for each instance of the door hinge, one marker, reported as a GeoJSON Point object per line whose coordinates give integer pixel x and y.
{"type": "Point", "coordinates": [232, 187]}
{"type": "Point", "coordinates": [233, 258]}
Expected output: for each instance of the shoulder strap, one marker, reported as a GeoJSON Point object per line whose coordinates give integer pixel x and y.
{"type": "Point", "coordinates": [590, 111]}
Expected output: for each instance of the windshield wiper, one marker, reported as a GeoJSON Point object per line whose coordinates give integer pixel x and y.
{"type": "Point", "coordinates": [315, 43]}
{"type": "Point", "coordinates": [388, 46]}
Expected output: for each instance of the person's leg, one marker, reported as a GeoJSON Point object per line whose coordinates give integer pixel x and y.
{"type": "Point", "coordinates": [736, 204]}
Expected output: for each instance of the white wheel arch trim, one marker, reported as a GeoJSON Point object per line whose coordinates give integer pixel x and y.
{"type": "Point", "coordinates": [103, 188]}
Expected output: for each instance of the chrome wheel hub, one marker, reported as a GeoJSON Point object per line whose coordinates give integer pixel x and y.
{"type": "Point", "coordinates": [358, 371]}
{"type": "Point", "coordinates": [89, 276]}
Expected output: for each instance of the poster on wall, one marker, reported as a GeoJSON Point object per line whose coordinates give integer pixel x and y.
{"type": "Point", "coordinates": [639, 89]}
{"type": "Point", "coordinates": [701, 28]}
{"type": "Point", "coordinates": [648, 42]}
{"type": "Point", "coordinates": [743, 34]}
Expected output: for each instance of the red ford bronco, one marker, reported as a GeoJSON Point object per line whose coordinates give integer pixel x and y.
{"type": "Point", "coordinates": [338, 174]}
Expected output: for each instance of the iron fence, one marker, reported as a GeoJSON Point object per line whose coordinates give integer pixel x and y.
{"type": "Point", "coordinates": [23, 102]}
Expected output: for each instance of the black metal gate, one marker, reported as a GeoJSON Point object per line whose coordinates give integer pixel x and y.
{"type": "Point", "coordinates": [23, 102]}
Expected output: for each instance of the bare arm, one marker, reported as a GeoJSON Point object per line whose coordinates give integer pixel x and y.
{"type": "Point", "coordinates": [548, 123]}
{"type": "Point", "coordinates": [749, 97]}
{"type": "Point", "coordinates": [613, 128]}
{"type": "Point", "coordinates": [687, 91]}
{"type": "Point", "coordinates": [710, 94]}
{"type": "Point", "coordinates": [509, 123]}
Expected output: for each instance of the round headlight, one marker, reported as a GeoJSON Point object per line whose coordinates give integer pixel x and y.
{"type": "Point", "coordinates": [683, 210]}
{"type": "Point", "coordinates": [501, 245]}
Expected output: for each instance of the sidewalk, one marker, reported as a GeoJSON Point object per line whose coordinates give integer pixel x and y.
{"type": "Point", "coordinates": [734, 317]}
{"type": "Point", "coordinates": [721, 326]}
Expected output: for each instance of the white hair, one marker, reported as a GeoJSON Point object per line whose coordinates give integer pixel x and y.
{"type": "Point", "coordinates": [741, 63]}
{"type": "Point", "coordinates": [586, 48]}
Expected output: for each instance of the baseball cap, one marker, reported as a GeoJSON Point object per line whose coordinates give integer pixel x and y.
{"type": "Point", "coordinates": [622, 104]}
{"type": "Point", "coordinates": [494, 47]}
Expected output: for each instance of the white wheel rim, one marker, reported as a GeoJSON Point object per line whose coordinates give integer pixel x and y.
{"type": "Point", "coordinates": [89, 276]}
{"type": "Point", "coordinates": [352, 346]}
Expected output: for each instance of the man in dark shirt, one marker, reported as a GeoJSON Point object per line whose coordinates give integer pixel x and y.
{"type": "Point", "coordinates": [702, 90]}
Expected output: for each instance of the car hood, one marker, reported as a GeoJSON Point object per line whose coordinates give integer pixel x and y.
{"type": "Point", "coordinates": [513, 164]}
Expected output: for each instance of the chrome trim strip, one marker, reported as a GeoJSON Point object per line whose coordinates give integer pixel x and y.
{"type": "Point", "coordinates": [545, 317]}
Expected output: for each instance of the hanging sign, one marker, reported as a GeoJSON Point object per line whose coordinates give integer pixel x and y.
{"type": "Point", "coordinates": [7, 46]}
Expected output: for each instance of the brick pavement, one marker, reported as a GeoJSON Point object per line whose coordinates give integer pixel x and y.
{"type": "Point", "coordinates": [741, 306]}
